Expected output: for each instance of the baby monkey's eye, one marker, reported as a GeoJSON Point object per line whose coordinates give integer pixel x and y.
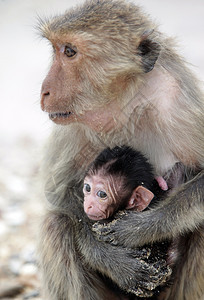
{"type": "Point", "coordinates": [87, 187]}
{"type": "Point", "coordinates": [101, 194]}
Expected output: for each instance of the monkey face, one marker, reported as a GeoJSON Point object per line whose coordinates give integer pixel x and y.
{"type": "Point", "coordinates": [73, 92]}
{"type": "Point", "coordinates": [99, 197]}
{"type": "Point", "coordinates": [87, 81]}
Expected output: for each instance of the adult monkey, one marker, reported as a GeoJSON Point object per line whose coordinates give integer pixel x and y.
{"type": "Point", "coordinates": [115, 79]}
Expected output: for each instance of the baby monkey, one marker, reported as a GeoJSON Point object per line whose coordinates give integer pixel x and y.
{"type": "Point", "coordinates": [122, 178]}
{"type": "Point", "coordinates": [119, 178]}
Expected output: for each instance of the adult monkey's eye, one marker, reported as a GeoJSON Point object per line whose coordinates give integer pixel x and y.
{"type": "Point", "coordinates": [87, 187]}
{"type": "Point", "coordinates": [70, 51]}
{"type": "Point", "coordinates": [101, 194]}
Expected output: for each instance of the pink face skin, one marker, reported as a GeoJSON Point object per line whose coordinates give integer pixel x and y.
{"type": "Point", "coordinates": [103, 194]}
{"type": "Point", "coordinates": [99, 197]}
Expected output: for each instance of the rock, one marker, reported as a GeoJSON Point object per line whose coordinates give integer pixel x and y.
{"type": "Point", "coordinates": [14, 216]}
{"type": "Point", "coordinates": [4, 229]}
{"type": "Point", "coordinates": [15, 265]}
{"type": "Point", "coordinates": [28, 269]}
{"type": "Point", "coordinates": [31, 295]}
{"type": "Point", "coordinates": [10, 289]}
{"type": "Point", "coordinates": [28, 254]}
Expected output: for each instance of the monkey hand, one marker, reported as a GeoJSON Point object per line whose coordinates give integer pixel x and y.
{"type": "Point", "coordinates": [150, 287]}
{"type": "Point", "coordinates": [128, 229]}
{"type": "Point", "coordinates": [143, 282]}
{"type": "Point", "coordinates": [111, 232]}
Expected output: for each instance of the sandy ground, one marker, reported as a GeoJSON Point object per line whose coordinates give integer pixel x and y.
{"type": "Point", "coordinates": [24, 61]}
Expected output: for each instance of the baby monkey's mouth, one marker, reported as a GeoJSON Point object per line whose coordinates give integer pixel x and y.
{"type": "Point", "coordinates": [95, 218]}
{"type": "Point", "coordinates": [59, 115]}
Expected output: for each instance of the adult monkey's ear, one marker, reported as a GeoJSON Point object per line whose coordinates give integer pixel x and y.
{"type": "Point", "coordinates": [149, 51]}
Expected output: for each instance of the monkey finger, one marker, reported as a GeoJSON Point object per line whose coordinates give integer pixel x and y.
{"type": "Point", "coordinates": [155, 275]}
{"type": "Point", "coordinates": [137, 291]}
{"type": "Point", "coordinates": [109, 238]}
{"type": "Point", "coordinates": [154, 281]}
{"type": "Point", "coordinates": [164, 274]}
{"type": "Point", "coordinates": [102, 228]}
{"type": "Point", "coordinates": [105, 228]}
{"type": "Point", "coordinates": [149, 286]}
{"type": "Point", "coordinates": [159, 264]}
{"type": "Point", "coordinates": [143, 253]}
{"type": "Point", "coordinates": [110, 232]}
{"type": "Point", "coordinates": [162, 267]}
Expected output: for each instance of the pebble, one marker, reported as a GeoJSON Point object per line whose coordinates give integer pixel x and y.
{"type": "Point", "coordinates": [15, 265]}
{"type": "Point", "coordinates": [20, 207]}
{"type": "Point", "coordinates": [4, 229]}
{"type": "Point", "coordinates": [10, 289]}
{"type": "Point", "coordinates": [14, 216]}
{"type": "Point", "coordinates": [31, 295]}
{"type": "Point", "coordinates": [28, 269]}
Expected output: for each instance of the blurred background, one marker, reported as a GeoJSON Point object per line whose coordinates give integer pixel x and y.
{"type": "Point", "coordinates": [24, 62]}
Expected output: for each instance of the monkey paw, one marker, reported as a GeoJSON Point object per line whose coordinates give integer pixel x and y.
{"type": "Point", "coordinates": [155, 276]}
{"type": "Point", "coordinates": [109, 231]}
{"type": "Point", "coordinates": [142, 278]}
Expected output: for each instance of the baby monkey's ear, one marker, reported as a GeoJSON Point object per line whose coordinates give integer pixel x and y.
{"type": "Point", "coordinates": [140, 198]}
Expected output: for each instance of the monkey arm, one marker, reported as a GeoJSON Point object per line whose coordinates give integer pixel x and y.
{"type": "Point", "coordinates": [71, 241]}
{"type": "Point", "coordinates": [126, 268]}
{"type": "Point", "coordinates": [180, 212]}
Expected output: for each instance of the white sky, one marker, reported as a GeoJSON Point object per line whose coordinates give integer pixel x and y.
{"type": "Point", "coordinates": [24, 58]}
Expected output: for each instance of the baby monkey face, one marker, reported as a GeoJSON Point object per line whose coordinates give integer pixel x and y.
{"type": "Point", "coordinates": [100, 196]}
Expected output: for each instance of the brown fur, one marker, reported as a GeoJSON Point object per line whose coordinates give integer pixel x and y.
{"type": "Point", "coordinates": [115, 99]}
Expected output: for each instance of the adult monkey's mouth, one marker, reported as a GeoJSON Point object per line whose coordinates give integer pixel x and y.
{"type": "Point", "coordinates": [59, 115]}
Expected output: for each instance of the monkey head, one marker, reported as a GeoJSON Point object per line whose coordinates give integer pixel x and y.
{"type": "Point", "coordinates": [104, 195]}
{"type": "Point", "coordinates": [96, 61]}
